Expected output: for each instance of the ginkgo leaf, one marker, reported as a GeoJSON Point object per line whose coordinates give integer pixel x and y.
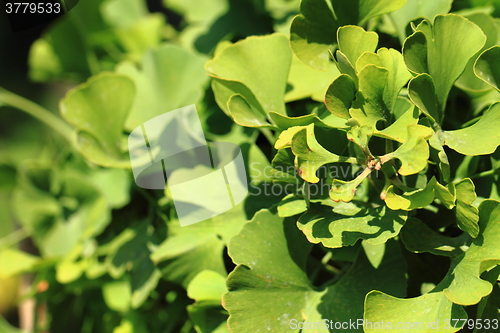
{"type": "Point", "coordinates": [337, 227]}
{"type": "Point", "coordinates": [421, 198]}
{"type": "Point", "coordinates": [99, 109]}
{"type": "Point", "coordinates": [442, 51]}
{"type": "Point", "coordinates": [466, 212]}
{"type": "Point", "coordinates": [310, 155]}
{"type": "Point", "coordinates": [462, 285]}
{"type": "Point", "coordinates": [418, 238]}
{"type": "Point", "coordinates": [414, 152]}
{"type": "Point", "coordinates": [479, 139]}
{"type": "Point", "coordinates": [486, 67]}
{"type": "Point", "coordinates": [312, 33]}
{"type": "Point", "coordinates": [268, 57]}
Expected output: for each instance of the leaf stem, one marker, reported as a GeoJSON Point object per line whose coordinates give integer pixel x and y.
{"type": "Point", "coordinates": [307, 194]}
{"type": "Point", "coordinates": [40, 113]}
{"type": "Point", "coordinates": [386, 158]}
{"type": "Point", "coordinates": [488, 173]}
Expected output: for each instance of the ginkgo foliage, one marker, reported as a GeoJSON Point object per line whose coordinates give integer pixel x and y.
{"type": "Point", "coordinates": [370, 134]}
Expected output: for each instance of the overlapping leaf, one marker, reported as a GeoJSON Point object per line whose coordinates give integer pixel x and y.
{"type": "Point", "coordinates": [255, 68]}
{"type": "Point", "coordinates": [479, 139]}
{"type": "Point", "coordinates": [418, 238]}
{"type": "Point", "coordinates": [270, 282]}
{"type": "Point", "coordinates": [345, 225]}
{"type": "Point", "coordinates": [310, 155]}
{"type": "Point", "coordinates": [421, 198]}
{"type": "Point", "coordinates": [442, 51]}
{"type": "Point", "coordinates": [462, 285]}
{"type": "Point", "coordinates": [487, 68]}
{"type": "Point", "coordinates": [99, 109]}
{"type": "Point", "coordinates": [414, 152]}
{"type": "Point", "coordinates": [169, 78]}
{"type": "Point", "coordinates": [414, 9]}
{"type": "Point", "coordinates": [312, 34]}
{"type": "Point", "coordinates": [469, 79]}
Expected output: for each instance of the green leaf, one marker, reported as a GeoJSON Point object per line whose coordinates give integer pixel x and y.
{"type": "Point", "coordinates": [310, 155]}
{"type": "Point", "coordinates": [366, 9]}
{"type": "Point", "coordinates": [320, 117]}
{"type": "Point", "coordinates": [50, 59]}
{"type": "Point", "coordinates": [114, 184]}
{"type": "Point", "coordinates": [379, 87]}
{"type": "Point", "coordinates": [418, 312]}
{"type": "Point", "coordinates": [14, 262]}
{"type": "Point", "coordinates": [397, 77]}
{"type": "Point", "coordinates": [415, 51]}
{"type": "Point", "coordinates": [291, 205]}
{"type": "Point", "coordinates": [267, 265]}
{"type": "Point", "coordinates": [360, 135]}
{"type": "Point", "coordinates": [186, 253]}
{"type": "Point", "coordinates": [422, 93]}
{"type": "Point", "coordinates": [134, 27]}
{"type": "Point", "coordinates": [209, 23]}
{"type": "Point", "coordinates": [130, 252]}
{"type": "Point", "coordinates": [283, 167]}
{"type": "Point", "coordinates": [487, 67]}
{"type": "Point", "coordinates": [442, 51]}
{"type": "Point", "coordinates": [304, 81]}
{"type": "Point", "coordinates": [466, 212]}
{"type": "Point", "coordinates": [270, 281]}
{"type": "Point", "coordinates": [439, 155]}
{"type": "Point", "coordinates": [469, 80]}
{"type": "Point", "coordinates": [208, 317]}
{"type": "Point", "coordinates": [369, 108]}
{"type": "Point", "coordinates": [418, 238]}
{"type": "Point", "coordinates": [269, 59]}
{"type": "Point", "coordinates": [374, 253]}
{"type": "Point", "coordinates": [343, 227]}
{"type": "Point", "coordinates": [207, 285]}
{"type": "Point", "coordinates": [123, 12]}
{"type": "Point", "coordinates": [7, 328]}
{"type": "Point", "coordinates": [191, 249]}
{"type": "Point", "coordinates": [414, 152]}
{"type": "Point", "coordinates": [117, 295]}
{"type": "Point", "coordinates": [462, 285]}
{"type": "Point", "coordinates": [312, 33]}
{"type": "Point", "coordinates": [98, 109]}
{"type": "Point", "coordinates": [68, 270]}
{"type": "Point", "coordinates": [414, 9]}
{"type": "Point", "coordinates": [354, 41]}
{"type": "Point", "coordinates": [345, 191]}
{"type": "Point", "coordinates": [169, 78]}
{"type": "Point", "coordinates": [244, 115]}
{"type": "Point", "coordinates": [410, 200]}
{"type": "Point", "coordinates": [340, 95]}
{"type": "Point", "coordinates": [397, 131]}
{"type": "Point", "coordinates": [59, 212]}
{"type": "Point", "coordinates": [285, 137]}
{"type": "Point", "coordinates": [479, 139]}
{"type": "Point", "coordinates": [345, 67]}
{"type": "Point", "coordinates": [343, 300]}
{"type": "Point", "coordinates": [420, 198]}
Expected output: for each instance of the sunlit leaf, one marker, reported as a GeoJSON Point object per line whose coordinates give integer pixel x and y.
{"type": "Point", "coordinates": [479, 139]}
{"type": "Point", "coordinates": [344, 228]}
{"type": "Point", "coordinates": [98, 109]}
